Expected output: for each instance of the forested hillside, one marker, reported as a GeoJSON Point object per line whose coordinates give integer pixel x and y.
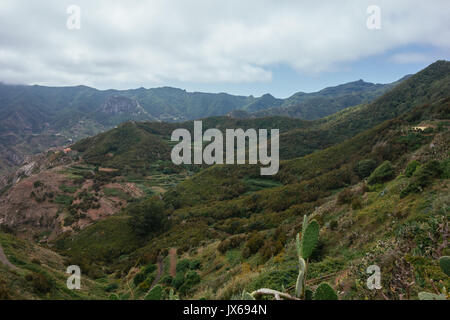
{"type": "Point", "coordinates": [34, 118]}
{"type": "Point", "coordinates": [374, 178]}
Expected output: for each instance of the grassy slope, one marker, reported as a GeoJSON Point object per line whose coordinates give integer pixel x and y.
{"type": "Point", "coordinates": [298, 137]}
{"type": "Point", "coordinates": [33, 259]}
{"type": "Point", "coordinates": [203, 217]}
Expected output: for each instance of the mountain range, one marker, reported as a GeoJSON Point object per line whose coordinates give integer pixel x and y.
{"type": "Point", "coordinates": [372, 177]}
{"type": "Point", "coordinates": [34, 118]}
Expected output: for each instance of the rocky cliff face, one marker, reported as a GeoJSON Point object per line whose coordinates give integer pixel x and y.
{"type": "Point", "coordinates": [119, 105]}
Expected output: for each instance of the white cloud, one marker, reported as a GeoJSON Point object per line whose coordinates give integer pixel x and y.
{"type": "Point", "coordinates": [410, 57]}
{"type": "Point", "coordinates": [131, 43]}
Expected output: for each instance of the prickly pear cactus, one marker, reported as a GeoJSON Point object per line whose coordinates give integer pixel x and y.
{"type": "Point", "coordinates": [299, 286]}
{"type": "Point", "coordinates": [172, 295]}
{"type": "Point", "coordinates": [309, 239]}
{"type": "Point", "coordinates": [155, 293]}
{"type": "Point", "coordinates": [305, 245]}
{"type": "Point", "coordinates": [444, 263]}
{"type": "Point", "coordinates": [247, 296]}
{"type": "Point", "coordinates": [325, 292]}
{"type": "Point", "coordinates": [431, 296]}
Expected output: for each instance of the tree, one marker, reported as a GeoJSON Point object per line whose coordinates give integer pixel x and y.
{"type": "Point", "coordinates": [365, 167]}
{"type": "Point", "coordinates": [382, 173]}
{"type": "Point", "coordinates": [148, 216]}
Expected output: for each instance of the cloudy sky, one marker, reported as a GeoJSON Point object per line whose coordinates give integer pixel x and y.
{"type": "Point", "coordinates": [241, 47]}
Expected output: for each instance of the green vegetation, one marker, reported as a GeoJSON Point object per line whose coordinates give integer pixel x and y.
{"type": "Point", "coordinates": [101, 242]}
{"type": "Point", "coordinates": [113, 192]}
{"type": "Point", "coordinates": [147, 217]}
{"type": "Point", "coordinates": [68, 189]}
{"type": "Point", "coordinates": [155, 293]}
{"type": "Point", "coordinates": [422, 177]}
{"type": "Point", "coordinates": [365, 167]}
{"type": "Point", "coordinates": [325, 292]}
{"type": "Point", "coordinates": [444, 264]}
{"type": "Point", "coordinates": [320, 104]}
{"type": "Point", "coordinates": [40, 273]}
{"type": "Point", "coordinates": [382, 173]}
{"type": "Point", "coordinates": [63, 199]}
{"type": "Point", "coordinates": [305, 246]}
{"type": "Point", "coordinates": [367, 181]}
{"type": "Point", "coordinates": [411, 168]}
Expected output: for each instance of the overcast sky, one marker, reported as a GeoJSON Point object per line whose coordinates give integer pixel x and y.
{"type": "Point", "coordinates": [241, 47]}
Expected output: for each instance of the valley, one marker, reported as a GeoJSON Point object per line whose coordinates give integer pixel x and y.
{"type": "Point", "coordinates": [373, 174]}
{"type": "Point", "coordinates": [34, 118]}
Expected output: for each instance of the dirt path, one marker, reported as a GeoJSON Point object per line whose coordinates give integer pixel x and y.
{"type": "Point", "coordinates": [5, 261]}
{"type": "Point", "coordinates": [173, 262]}
{"type": "Point", "coordinates": [160, 265]}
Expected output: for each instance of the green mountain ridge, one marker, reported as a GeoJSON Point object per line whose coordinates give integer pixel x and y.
{"type": "Point", "coordinates": [34, 118]}
{"type": "Point", "coordinates": [374, 176]}
{"type": "Point", "coordinates": [301, 137]}
{"type": "Point", "coordinates": [311, 106]}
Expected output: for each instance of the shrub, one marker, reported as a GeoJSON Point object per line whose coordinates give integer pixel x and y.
{"type": "Point", "coordinates": [365, 167]}
{"type": "Point", "coordinates": [255, 242]}
{"type": "Point", "coordinates": [38, 184]}
{"type": "Point", "coordinates": [178, 280]}
{"type": "Point", "coordinates": [145, 285]}
{"type": "Point", "coordinates": [345, 196]}
{"type": "Point", "coordinates": [334, 225]}
{"type": "Point", "coordinates": [183, 266]}
{"type": "Point", "coordinates": [411, 168]}
{"type": "Point", "coordinates": [4, 291]}
{"type": "Point", "coordinates": [431, 169]}
{"type": "Point", "coordinates": [147, 216]}
{"type": "Point", "coordinates": [139, 278]}
{"type": "Point", "coordinates": [40, 283]}
{"type": "Point", "coordinates": [230, 243]}
{"type": "Point", "coordinates": [67, 189]}
{"type": "Point", "coordinates": [149, 269]}
{"type": "Point", "coordinates": [69, 220]}
{"type": "Point", "coordinates": [192, 278]}
{"type": "Point", "coordinates": [422, 177]}
{"type": "Point", "coordinates": [412, 140]}
{"type": "Point", "coordinates": [382, 173]}
{"type": "Point", "coordinates": [111, 287]}
{"type": "Point", "coordinates": [195, 264]}
{"type": "Point", "coordinates": [246, 252]}
{"type": "Point", "coordinates": [356, 204]}
{"type": "Point", "coordinates": [167, 280]}
{"type": "Point", "coordinates": [63, 199]}
{"type": "Point", "coordinates": [223, 246]}
{"type": "Point", "coordinates": [445, 168]}
{"type": "Point", "coordinates": [270, 249]}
